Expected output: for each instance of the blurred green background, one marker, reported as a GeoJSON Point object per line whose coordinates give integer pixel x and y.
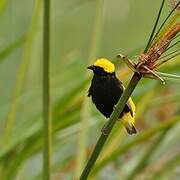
{"type": "Point", "coordinates": [81, 31]}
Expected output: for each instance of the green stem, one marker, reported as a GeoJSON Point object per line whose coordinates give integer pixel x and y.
{"type": "Point", "coordinates": [11, 48]}
{"type": "Point", "coordinates": [169, 76]}
{"type": "Point", "coordinates": [114, 116]}
{"type": "Point", "coordinates": [155, 25]}
{"type": "Point", "coordinates": [46, 93]}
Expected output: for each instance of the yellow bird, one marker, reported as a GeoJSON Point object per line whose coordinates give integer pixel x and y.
{"type": "Point", "coordinates": [105, 91]}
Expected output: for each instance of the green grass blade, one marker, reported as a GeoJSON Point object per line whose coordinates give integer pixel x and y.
{"type": "Point", "coordinates": [68, 102]}
{"type": "Point", "coordinates": [142, 137]}
{"type": "Point", "coordinates": [167, 167]}
{"type": "Point", "coordinates": [11, 48]}
{"type": "Point", "coordinates": [169, 76]}
{"type": "Point", "coordinates": [22, 71]}
{"type": "Point", "coordinates": [148, 154]}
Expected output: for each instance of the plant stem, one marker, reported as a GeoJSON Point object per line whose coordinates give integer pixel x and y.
{"type": "Point", "coordinates": [155, 25]}
{"type": "Point", "coordinates": [46, 93]}
{"type": "Point", "coordinates": [169, 76]}
{"type": "Point", "coordinates": [114, 116]}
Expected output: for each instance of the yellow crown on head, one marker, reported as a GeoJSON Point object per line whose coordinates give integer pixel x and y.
{"type": "Point", "coordinates": [105, 64]}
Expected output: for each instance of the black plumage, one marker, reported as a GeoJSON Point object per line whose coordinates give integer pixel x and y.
{"type": "Point", "coordinates": [105, 91]}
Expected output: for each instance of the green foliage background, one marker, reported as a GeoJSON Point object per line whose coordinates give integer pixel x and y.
{"type": "Point", "coordinates": [82, 31]}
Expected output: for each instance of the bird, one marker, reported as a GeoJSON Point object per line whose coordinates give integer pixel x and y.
{"type": "Point", "coordinates": [105, 91]}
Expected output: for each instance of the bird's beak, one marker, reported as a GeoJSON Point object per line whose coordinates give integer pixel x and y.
{"type": "Point", "coordinates": [91, 67]}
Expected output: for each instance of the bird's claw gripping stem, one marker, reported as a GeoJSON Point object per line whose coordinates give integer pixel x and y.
{"type": "Point", "coordinates": [104, 129]}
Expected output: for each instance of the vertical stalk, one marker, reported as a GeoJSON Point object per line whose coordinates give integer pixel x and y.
{"type": "Point", "coordinates": [46, 92]}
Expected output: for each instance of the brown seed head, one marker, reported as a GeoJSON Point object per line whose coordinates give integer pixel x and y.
{"type": "Point", "coordinates": [150, 58]}
{"type": "Point", "coordinates": [173, 3]}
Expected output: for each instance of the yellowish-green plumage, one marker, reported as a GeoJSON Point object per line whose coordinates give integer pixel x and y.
{"type": "Point", "coordinates": [127, 119]}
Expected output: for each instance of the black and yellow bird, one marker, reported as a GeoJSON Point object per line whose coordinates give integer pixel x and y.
{"type": "Point", "coordinates": [105, 91]}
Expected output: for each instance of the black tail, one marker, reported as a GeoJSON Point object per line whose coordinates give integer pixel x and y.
{"type": "Point", "coordinates": [131, 129]}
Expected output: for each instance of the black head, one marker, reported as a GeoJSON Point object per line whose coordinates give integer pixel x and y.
{"type": "Point", "coordinates": [102, 67]}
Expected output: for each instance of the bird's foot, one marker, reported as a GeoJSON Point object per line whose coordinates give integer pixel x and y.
{"type": "Point", "coordinates": [104, 129]}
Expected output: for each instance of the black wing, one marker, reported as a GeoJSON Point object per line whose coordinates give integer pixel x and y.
{"type": "Point", "coordinates": [89, 91]}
